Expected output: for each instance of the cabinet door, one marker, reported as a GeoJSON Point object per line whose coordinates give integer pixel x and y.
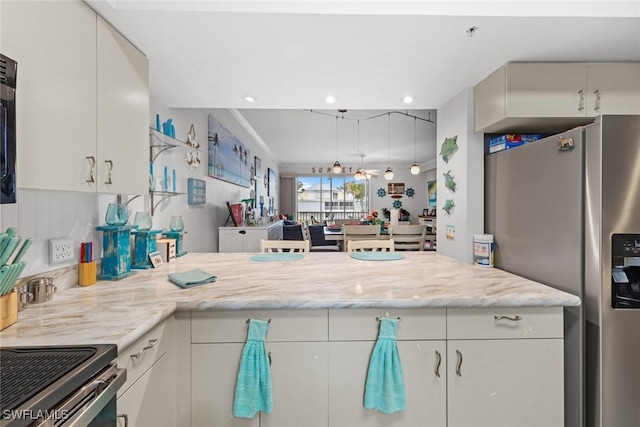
{"type": "Point", "coordinates": [425, 391]}
{"type": "Point", "coordinates": [54, 44]}
{"type": "Point", "coordinates": [546, 90]}
{"type": "Point", "coordinates": [123, 114]}
{"type": "Point", "coordinates": [146, 403]}
{"type": "Point", "coordinates": [231, 240]}
{"type": "Point", "coordinates": [505, 383]}
{"type": "Point", "coordinates": [299, 377]}
{"type": "Point", "coordinates": [252, 240]}
{"type": "Point", "coordinates": [213, 381]}
{"type": "Point", "coordinates": [613, 89]}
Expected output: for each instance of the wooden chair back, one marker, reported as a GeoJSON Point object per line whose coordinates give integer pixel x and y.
{"type": "Point", "coordinates": [361, 232]}
{"type": "Point", "coordinates": [284, 245]}
{"type": "Point", "coordinates": [370, 245]}
{"type": "Point", "coordinates": [408, 237]}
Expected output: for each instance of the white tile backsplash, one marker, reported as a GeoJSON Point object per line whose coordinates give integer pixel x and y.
{"type": "Point", "coordinates": [42, 215]}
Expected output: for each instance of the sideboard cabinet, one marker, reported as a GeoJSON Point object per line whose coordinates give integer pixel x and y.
{"type": "Point", "coordinates": [247, 239]}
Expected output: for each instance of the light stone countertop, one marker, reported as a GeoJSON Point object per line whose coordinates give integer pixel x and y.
{"type": "Point", "coordinates": [122, 311]}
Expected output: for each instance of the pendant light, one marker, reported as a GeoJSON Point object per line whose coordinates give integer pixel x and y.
{"type": "Point", "coordinates": [388, 173]}
{"type": "Point", "coordinates": [336, 166]}
{"type": "Point", "coordinates": [358, 175]}
{"type": "Point", "coordinates": [415, 167]}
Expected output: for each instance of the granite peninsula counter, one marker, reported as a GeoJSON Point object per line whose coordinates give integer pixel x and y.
{"type": "Point", "coordinates": [123, 311]}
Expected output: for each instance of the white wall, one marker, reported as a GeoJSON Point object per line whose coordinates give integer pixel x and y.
{"type": "Point", "coordinates": [467, 166]}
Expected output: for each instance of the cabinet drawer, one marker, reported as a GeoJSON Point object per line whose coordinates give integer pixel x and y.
{"type": "Point", "coordinates": [485, 323]}
{"type": "Point", "coordinates": [136, 366]}
{"type": "Point", "coordinates": [361, 324]}
{"type": "Point", "coordinates": [231, 326]}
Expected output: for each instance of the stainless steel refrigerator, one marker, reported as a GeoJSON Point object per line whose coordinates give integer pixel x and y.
{"type": "Point", "coordinates": [565, 211]}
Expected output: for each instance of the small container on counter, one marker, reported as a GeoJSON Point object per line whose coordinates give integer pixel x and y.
{"type": "Point", "coordinates": [42, 289]}
{"type": "Point", "coordinates": [87, 274]}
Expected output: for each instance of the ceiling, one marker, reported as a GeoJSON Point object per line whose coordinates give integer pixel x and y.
{"type": "Point", "coordinates": [290, 55]}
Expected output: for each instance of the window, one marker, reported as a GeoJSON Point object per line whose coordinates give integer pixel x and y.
{"type": "Point", "coordinates": [323, 197]}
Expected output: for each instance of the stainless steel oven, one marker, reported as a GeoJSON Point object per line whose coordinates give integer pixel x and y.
{"type": "Point", "coordinates": [61, 386]}
{"type": "Point", "coordinates": [8, 71]}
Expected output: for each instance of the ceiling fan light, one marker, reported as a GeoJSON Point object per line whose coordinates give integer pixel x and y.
{"type": "Point", "coordinates": [415, 168]}
{"type": "Point", "coordinates": [336, 167]}
{"type": "Point", "coordinates": [358, 175]}
{"type": "Point", "coordinates": [388, 174]}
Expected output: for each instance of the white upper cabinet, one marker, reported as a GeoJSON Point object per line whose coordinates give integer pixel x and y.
{"type": "Point", "coordinates": [613, 89]}
{"type": "Point", "coordinates": [54, 44]}
{"type": "Point", "coordinates": [553, 97]}
{"type": "Point", "coordinates": [123, 114]}
{"type": "Point", "coordinates": [82, 99]}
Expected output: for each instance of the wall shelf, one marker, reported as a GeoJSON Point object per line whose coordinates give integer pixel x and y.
{"type": "Point", "coordinates": [162, 195]}
{"type": "Point", "coordinates": [161, 142]}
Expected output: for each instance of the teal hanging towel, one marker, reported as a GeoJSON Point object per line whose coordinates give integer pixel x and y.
{"type": "Point", "coordinates": [253, 385]}
{"type": "Point", "coordinates": [384, 390]}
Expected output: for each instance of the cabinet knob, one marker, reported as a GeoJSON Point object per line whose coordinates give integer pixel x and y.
{"type": "Point", "coordinates": [92, 163]}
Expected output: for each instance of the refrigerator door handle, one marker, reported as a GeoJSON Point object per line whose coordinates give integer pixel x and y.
{"type": "Point", "coordinates": [515, 318]}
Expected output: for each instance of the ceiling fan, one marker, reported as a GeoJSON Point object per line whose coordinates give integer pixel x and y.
{"type": "Point", "coordinates": [366, 173]}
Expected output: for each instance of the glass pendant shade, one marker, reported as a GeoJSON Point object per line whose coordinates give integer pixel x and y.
{"type": "Point", "coordinates": [336, 167]}
{"type": "Point", "coordinates": [415, 168]}
{"type": "Point", "coordinates": [388, 174]}
{"type": "Point", "coordinates": [358, 176]}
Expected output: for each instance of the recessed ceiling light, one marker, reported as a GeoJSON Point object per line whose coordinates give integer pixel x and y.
{"type": "Point", "coordinates": [330, 99]}
{"type": "Point", "coordinates": [249, 98]}
{"type": "Point", "coordinates": [407, 99]}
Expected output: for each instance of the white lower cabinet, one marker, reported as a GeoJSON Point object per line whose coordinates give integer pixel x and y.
{"type": "Point", "coordinates": [424, 368]}
{"type": "Point", "coordinates": [299, 385]}
{"type": "Point", "coordinates": [494, 367]}
{"type": "Point", "coordinates": [145, 403]}
{"type": "Point", "coordinates": [505, 383]}
{"type": "Point", "coordinates": [213, 381]}
{"type": "Point", "coordinates": [148, 397]}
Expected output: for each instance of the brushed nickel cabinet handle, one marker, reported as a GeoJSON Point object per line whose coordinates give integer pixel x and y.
{"type": "Point", "coordinates": [598, 99]}
{"type": "Point", "coordinates": [459, 365]}
{"type": "Point", "coordinates": [438, 361]}
{"type": "Point", "coordinates": [151, 344]}
{"type": "Point", "coordinates": [110, 163]}
{"type": "Point", "coordinates": [126, 419]}
{"type": "Point", "coordinates": [581, 104]}
{"type": "Point", "coordinates": [92, 162]}
{"type": "Point", "coordinates": [515, 318]}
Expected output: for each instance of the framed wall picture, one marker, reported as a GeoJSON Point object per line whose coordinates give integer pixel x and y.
{"type": "Point", "coordinates": [431, 191]}
{"type": "Point", "coordinates": [258, 165]}
{"type": "Point", "coordinates": [271, 189]}
{"type": "Point", "coordinates": [229, 158]}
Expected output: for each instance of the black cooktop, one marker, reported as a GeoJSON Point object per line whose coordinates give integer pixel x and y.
{"type": "Point", "coordinates": [38, 378]}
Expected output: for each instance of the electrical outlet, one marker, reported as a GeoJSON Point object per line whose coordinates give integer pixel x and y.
{"type": "Point", "coordinates": [60, 250]}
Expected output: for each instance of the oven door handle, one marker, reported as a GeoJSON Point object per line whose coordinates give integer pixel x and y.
{"type": "Point", "coordinates": [4, 133]}
{"type": "Point", "coordinates": [83, 405]}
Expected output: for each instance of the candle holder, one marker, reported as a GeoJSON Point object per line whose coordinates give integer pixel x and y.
{"type": "Point", "coordinates": [116, 260]}
{"type": "Point", "coordinates": [144, 244]}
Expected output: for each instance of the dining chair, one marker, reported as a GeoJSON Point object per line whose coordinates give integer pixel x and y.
{"type": "Point", "coordinates": [370, 245]}
{"type": "Point", "coordinates": [361, 232]}
{"type": "Point", "coordinates": [408, 237]}
{"type": "Point", "coordinates": [312, 233]}
{"type": "Point", "coordinates": [284, 245]}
